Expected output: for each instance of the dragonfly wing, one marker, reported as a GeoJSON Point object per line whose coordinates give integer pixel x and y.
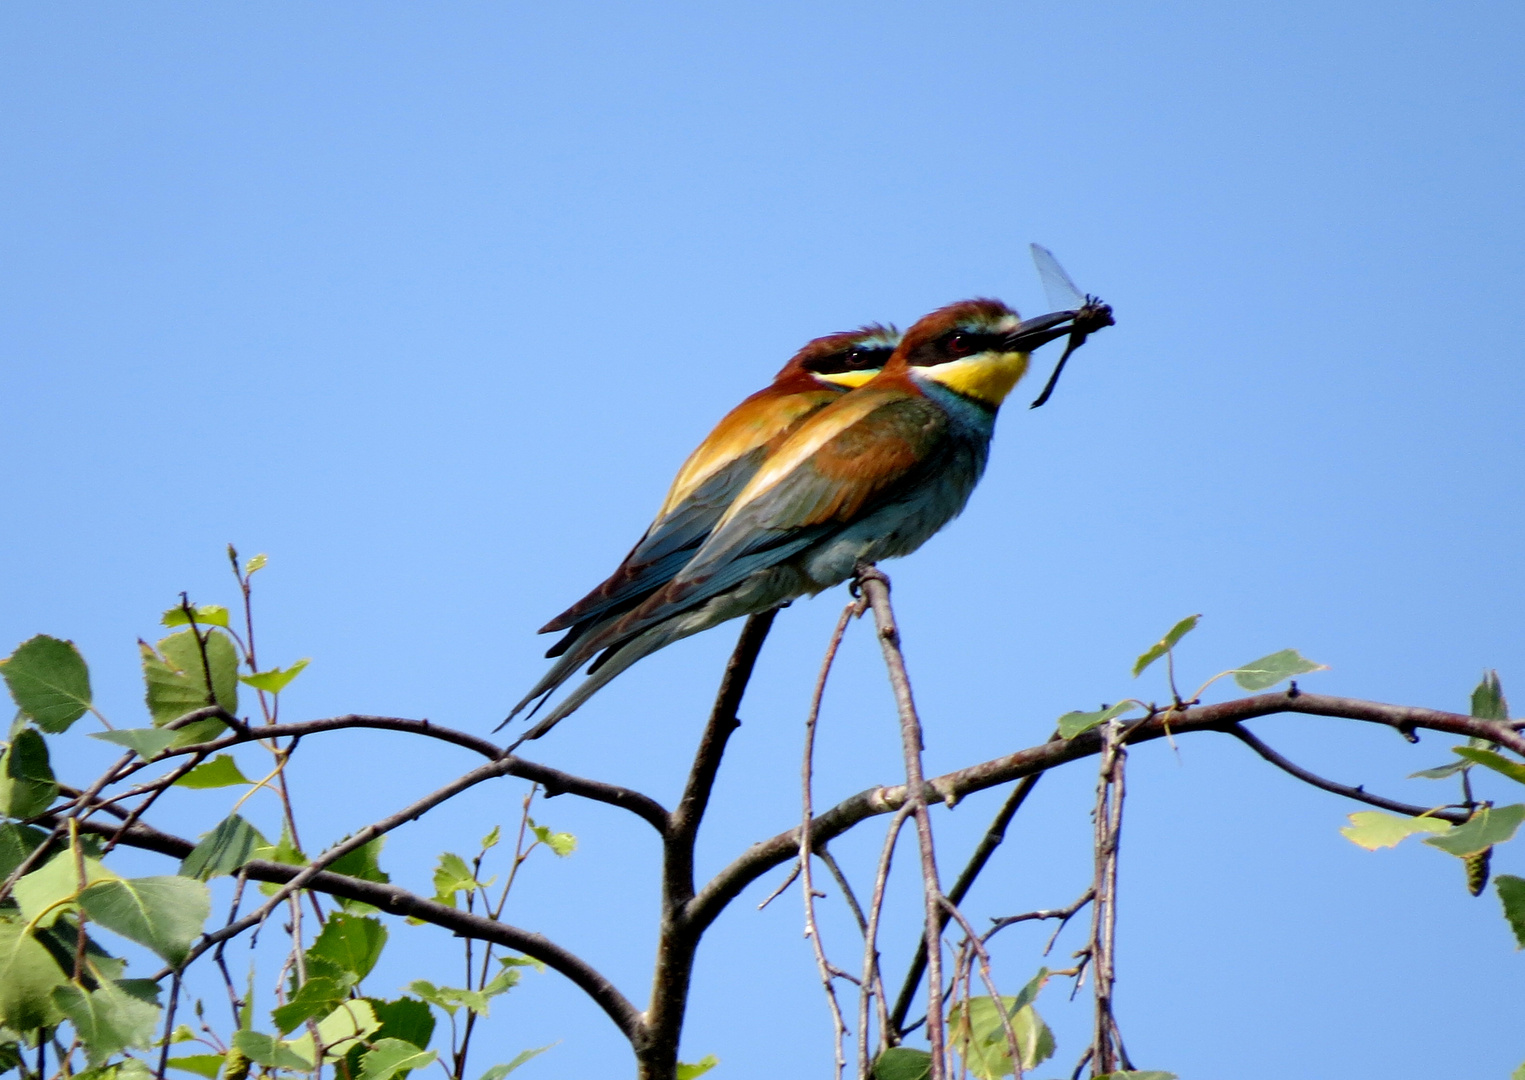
{"type": "Point", "coordinates": [1061, 291]}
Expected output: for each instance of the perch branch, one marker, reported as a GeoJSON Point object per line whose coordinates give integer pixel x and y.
{"type": "Point", "coordinates": [876, 589]}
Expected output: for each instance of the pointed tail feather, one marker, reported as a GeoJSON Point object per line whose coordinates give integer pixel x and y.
{"type": "Point", "coordinates": [614, 661]}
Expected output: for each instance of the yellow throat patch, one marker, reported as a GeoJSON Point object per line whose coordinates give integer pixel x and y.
{"type": "Point", "coordinates": [987, 377]}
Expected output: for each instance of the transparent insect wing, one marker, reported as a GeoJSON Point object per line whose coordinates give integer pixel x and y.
{"type": "Point", "coordinates": [1061, 291]}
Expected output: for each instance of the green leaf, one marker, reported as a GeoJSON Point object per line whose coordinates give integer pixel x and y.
{"type": "Point", "coordinates": [491, 839]}
{"type": "Point", "coordinates": [1076, 723]}
{"type": "Point", "coordinates": [256, 563]}
{"type": "Point", "coordinates": [406, 1018]}
{"type": "Point", "coordinates": [163, 913]}
{"type": "Point", "coordinates": [275, 680]}
{"type": "Point", "coordinates": [317, 996]}
{"type": "Point", "coordinates": [979, 1037]}
{"type": "Point", "coordinates": [1373, 829]}
{"type": "Point", "coordinates": [49, 680]}
{"type": "Point", "coordinates": [1511, 892]}
{"type": "Point", "coordinates": [1440, 772]}
{"type": "Point", "coordinates": [1495, 761]}
{"type": "Point", "coordinates": [42, 893]}
{"type": "Point", "coordinates": [107, 1020]}
{"type": "Point", "coordinates": [903, 1063]}
{"type": "Point", "coordinates": [271, 1052]}
{"type": "Point", "coordinates": [363, 863]}
{"type": "Point", "coordinates": [1487, 827]}
{"type": "Point", "coordinates": [498, 1072]}
{"type": "Point", "coordinates": [388, 1057]}
{"type": "Point", "coordinates": [697, 1069]}
{"type": "Point", "coordinates": [146, 742]}
{"type": "Point", "coordinates": [1488, 699]}
{"type": "Point", "coordinates": [221, 771]}
{"type": "Point", "coordinates": [176, 680]}
{"type": "Point", "coordinates": [452, 876]}
{"type": "Point", "coordinates": [353, 942]}
{"type": "Point", "coordinates": [27, 787]}
{"type": "Point", "coordinates": [562, 843]}
{"type": "Point", "coordinates": [451, 998]}
{"type": "Point", "coordinates": [1165, 644]}
{"type": "Point", "coordinates": [206, 615]}
{"type": "Point", "coordinates": [206, 1065]}
{"type": "Point", "coordinates": [223, 850]}
{"type": "Point", "coordinates": [28, 975]}
{"type": "Point", "coordinates": [16, 843]}
{"type": "Point", "coordinates": [1266, 672]}
{"type": "Point", "coordinates": [340, 1031]}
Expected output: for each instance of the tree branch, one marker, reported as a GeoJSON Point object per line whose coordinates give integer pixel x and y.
{"type": "Point", "coordinates": [876, 589]}
{"type": "Point", "coordinates": [678, 937]}
{"type": "Point", "coordinates": [1455, 817]}
{"type": "Point", "coordinates": [399, 901]}
{"type": "Point", "coordinates": [987, 845]}
{"type": "Point", "coordinates": [554, 781]}
{"type": "Point", "coordinates": [762, 857]}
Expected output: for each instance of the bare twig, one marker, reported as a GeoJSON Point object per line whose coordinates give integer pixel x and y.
{"type": "Point", "coordinates": [807, 885]}
{"type": "Point", "coordinates": [876, 588]}
{"type": "Point", "coordinates": [1064, 915]}
{"type": "Point", "coordinates": [977, 948]}
{"type": "Point", "coordinates": [889, 1034]}
{"type": "Point", "coordinates": [992, 839]}
{"type": "Point", "coordinates": [1108, 819]}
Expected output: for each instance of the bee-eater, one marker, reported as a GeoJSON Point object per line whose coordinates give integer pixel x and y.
{"type": "Point", "coordinates": [712, 476]}
{"type": "Point", "coordinates": [870, 476]}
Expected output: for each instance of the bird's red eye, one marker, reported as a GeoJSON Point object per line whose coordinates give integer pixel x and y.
{"type": "Point", "coordinates": [857, 359]}
{"type": "Point", "coordinates": [959, 345]}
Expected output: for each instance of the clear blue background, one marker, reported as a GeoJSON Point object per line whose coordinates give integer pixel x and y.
{"type": "Point", "coordinates": [428, 302]}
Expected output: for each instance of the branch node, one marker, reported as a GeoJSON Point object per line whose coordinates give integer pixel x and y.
{"type": "Point", "coordinates": [1292, 690]}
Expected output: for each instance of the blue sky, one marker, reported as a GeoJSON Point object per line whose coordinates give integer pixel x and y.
{"type": "Point", "coordinates": [428, 302]}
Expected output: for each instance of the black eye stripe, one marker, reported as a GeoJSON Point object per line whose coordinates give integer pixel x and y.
{"type": "Point", "coordinates": [858, 358]}
{"type": "Point", "coordinates": [956, 345]}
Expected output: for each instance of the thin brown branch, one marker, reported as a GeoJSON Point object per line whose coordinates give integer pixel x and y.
{"type": "Point", "coordinates": [992, 839]}
{"type": "Point", "coordinates": [889, 1033]}
{"type": "Point", "coordinates": [364, 836]}
{"type": "Point", "coordinates": [1107, 820]}
{"type": "Point", "coordinates": [876, 589]}
{"type": "Point", "coordinates": [1358, 793]}
{"type": "Point", "coordinates": [554, 781]}
{"type": "Point", "coordinates": [807, 885]}
{"type": "Point", "coordinates": [976, 946]}
{"type": "Point", "coordinates": [1064, 915]}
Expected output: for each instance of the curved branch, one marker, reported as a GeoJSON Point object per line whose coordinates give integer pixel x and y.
{"type": "Point", "coordinates": [1455, 817]}
{"type": "Point", "coordinates": [950, 787]}
{"type": "Point", "coordinates": [554, 781]}
{"type": "Point", "coordinates": [399, 901]}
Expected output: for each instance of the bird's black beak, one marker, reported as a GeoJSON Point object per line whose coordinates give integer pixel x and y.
{"type": "Point", "coordinates": [1031, 333]}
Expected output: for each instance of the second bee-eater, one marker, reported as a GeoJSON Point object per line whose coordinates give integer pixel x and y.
{"type": "Point", "coordinates": [870, 476]}
{"type": "Point", "coordinates": [710, 479]}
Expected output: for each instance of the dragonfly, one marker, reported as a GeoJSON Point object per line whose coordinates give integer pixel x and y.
{"type": "Point", "coordinates": [1084, 313]}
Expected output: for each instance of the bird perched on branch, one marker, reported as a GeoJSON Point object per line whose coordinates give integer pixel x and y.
{"type": "Point", "coordinates": [870, 476]}
{"type": "Point", "coordinates": [712, 476]}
